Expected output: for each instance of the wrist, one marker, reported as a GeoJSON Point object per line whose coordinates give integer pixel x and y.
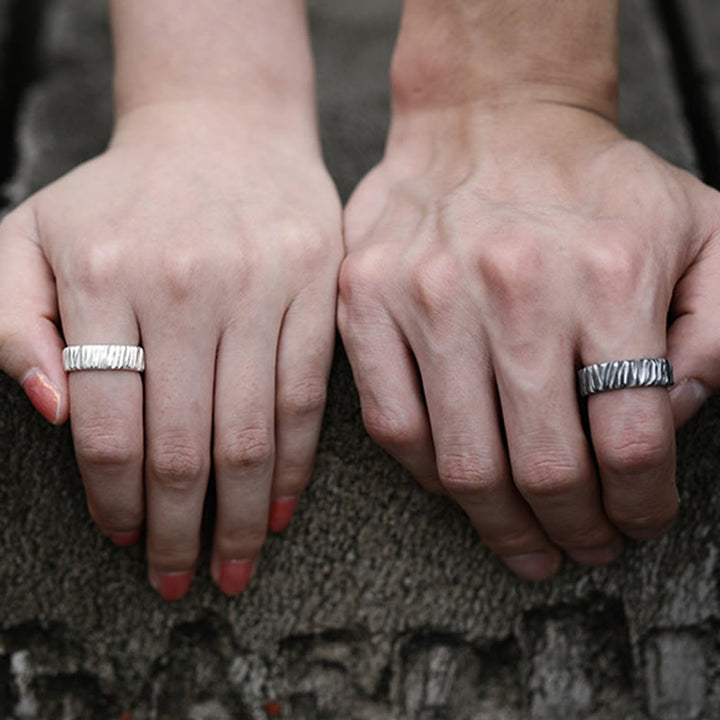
{"type": "Point", "coordinates": [239, 52]}
{"type": "Point", "coordinates": [505, 52]}
{"type": "Point", "coordinates": [208, 126]}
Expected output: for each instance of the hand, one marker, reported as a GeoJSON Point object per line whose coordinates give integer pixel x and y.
{"type": "Point", "coordinates": [217, 249]}
{"type": "Point", "coordinates": [493, 252]}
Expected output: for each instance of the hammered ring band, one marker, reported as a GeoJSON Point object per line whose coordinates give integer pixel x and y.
{"type": "Point", "coordinates": [103, 357]}
{"type": "Point", "coordinates": [622, 374]}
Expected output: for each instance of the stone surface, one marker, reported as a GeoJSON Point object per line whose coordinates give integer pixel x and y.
{"type": "Point", "coordinates": [379, 603]}
{"type": "Point", "coordinates": [702, 21]}
{"type": "Point", "coordinates": [650, 106]}
{"type": "Point", "coordinates": [5, 120]}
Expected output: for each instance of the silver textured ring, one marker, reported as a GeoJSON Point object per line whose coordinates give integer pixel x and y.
{"type": "Point", "coordinates": [621, 374]}
{"type": "Point", "coordinates": [103, 357]}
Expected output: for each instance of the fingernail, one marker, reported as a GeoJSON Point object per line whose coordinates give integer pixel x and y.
{"type": "Point", "coordinates": [687, 398]}
{"type": "Point", "coordinates": [235, 575]}
{"type": "Point", "coordinates": [125, 538]}
{"type": "Point", "coordinates": [170, 585]}
{"type": "Point", "coordinates": [597, 555]}
{"type": "Point", "coordinates": [44, 396]}
{"type": "Point", "coordinates": [281, 512]}
{"type": "Point", "coordinates": [534, 566]}
{"type": "Point", "coordinates": [649, 533]}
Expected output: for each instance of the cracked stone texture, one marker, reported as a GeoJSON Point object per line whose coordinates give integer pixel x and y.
{"type": "Point", "coordinates": [379, 603]}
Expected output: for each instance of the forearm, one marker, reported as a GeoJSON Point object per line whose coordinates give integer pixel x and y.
{"type": "Point", "coordinates": [242, 52]}
{"type": "Point", "coordinates": [455, 51]}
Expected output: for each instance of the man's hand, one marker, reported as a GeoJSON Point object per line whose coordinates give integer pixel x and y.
{"type": "Point", "coordinates": [508, 238]}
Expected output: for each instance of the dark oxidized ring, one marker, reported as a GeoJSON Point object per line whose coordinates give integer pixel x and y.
{"type": "Point", "coordinates": [622, 374]}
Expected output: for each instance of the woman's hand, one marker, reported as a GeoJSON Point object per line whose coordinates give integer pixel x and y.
{"type": "Point", "coordinates": [497, 248]}
{"type": "Point", "coordinates": [214, 244]}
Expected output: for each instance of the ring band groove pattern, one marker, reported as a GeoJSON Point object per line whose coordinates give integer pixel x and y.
{"type": "Point", "coordinates": [103, 357]}
{"type": "Point", "coordinates": [622, 374]}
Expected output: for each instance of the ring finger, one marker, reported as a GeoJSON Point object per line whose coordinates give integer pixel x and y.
{"type": "Point", "coordinates": [107, 422]}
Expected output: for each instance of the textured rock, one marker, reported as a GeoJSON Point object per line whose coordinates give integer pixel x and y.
{"type": "Point", "coordinates": [379, 602]}
{"type": "Point", "coordinates": [702, 24]}
{"type": "Point", "coordinates": [650, 107]}
{"type": "Point", "coordinates": [5, 120]}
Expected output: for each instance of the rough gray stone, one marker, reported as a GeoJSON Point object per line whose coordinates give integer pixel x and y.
{"type": "Point", "coordinates": [676, 676]}
{"type": "Point", "coordinates": [5, 6]}
{"type": "Point", "coordinates": [67, 117]}
{"type": "Point", "coordinates": [379, 602]}
{"type": "Point", "coordinates": [650, 107]}
{"type": "Point", "coordinates": [702, 19]}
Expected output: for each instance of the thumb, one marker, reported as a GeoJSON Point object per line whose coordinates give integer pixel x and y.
{"type": "Point", "coordinates": [30, 344]}
{"type": "Point", "coordinates": [694, 335]}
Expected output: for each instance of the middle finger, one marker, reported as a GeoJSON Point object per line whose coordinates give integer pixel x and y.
{"type": "Point", "coordinates": [551, 460]}
{"type": "Point", "coordinates": [180, 365]}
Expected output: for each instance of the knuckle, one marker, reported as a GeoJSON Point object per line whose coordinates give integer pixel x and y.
{"type": "Point", "coordinates": [166, 553]}
{"type": "Point", "coordinates": [511, 265]}
{"type": "Point", "coordinates": [112, 518]}
{"type": "Point", "coordinates": [302, 398]}
{"type": "Point", "coordinates": [362, 273]}
{"type": "Point", "coordinates": [97, 266]}
{"type": "Point", "coordinates": [390, 429]}
{"type": "Point", "coordinates": [509, 541]}
{"type": "Point", "coordinates": [242, 542]}
{"type": "Point", "coordinates": [548, 476]}
{"type": "Point", "coordinates": [105, 445]}
{"type": "Point", "coordinates": [639, 451]}
{"type": "Point", "coordinates": [613, 267]}
{"type": "Point", "coordinates": [247, 449]}
{"type": "Point", "coordinates": [580, 537]}
{"type": "Point", "coordinates": [466, 473]}
{"type": "Point", "coordinates": [177, 463]}
{"type": "Point", "coordinates": [433, 282]}
{"type": "Point", "coordinates": [182, 271]}
{"type": "Point", "coordinates": [358, 275]}
{"type": "Point", "coordinates": [292, 478]}
{"type": "Point", "coordinates": [307, 242]}
{"type": "Point", "coordinates": [631, 519]}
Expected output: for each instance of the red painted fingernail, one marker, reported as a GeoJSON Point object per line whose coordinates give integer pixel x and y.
{"type": "Point", "coordinates": [235, 575]}
{"type": "Point", "coordinates": [126, 538]}
{"type": "Point", "coordinates": [170, 585]}
{"type": "Point", "coordinates": [44, 396]}
{"type": "Point", "coordinates": [281, 512]}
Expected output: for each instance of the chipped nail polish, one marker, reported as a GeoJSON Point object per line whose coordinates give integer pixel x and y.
{"type": "Point", "coordinates": [235, 575]}
{"type": "Point", "coordinates": [44, 396]}
{"type": "Point", "coordinates": [170, 585]}
{"type": "Point", "coordinates": [281, 512]}
{"type": "Point", "coordinates": [125, 539]}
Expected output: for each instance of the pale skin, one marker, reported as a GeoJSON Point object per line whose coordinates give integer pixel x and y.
{"type": "Point", "coordinates": [210, 232]}
{"type": "Point", "coordinates": [509, 235]}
